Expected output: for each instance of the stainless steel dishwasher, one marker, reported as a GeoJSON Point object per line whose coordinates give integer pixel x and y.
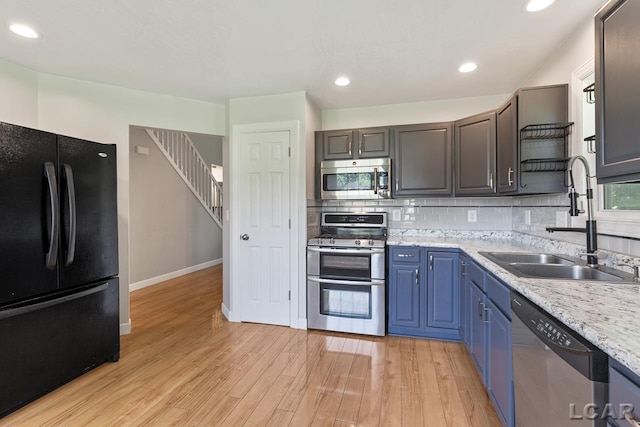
{"type": "Point", "coordinates": [559, 378]}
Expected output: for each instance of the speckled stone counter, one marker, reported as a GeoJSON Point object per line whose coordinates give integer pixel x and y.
{"type": "Point", "coordinates": [607, 314]}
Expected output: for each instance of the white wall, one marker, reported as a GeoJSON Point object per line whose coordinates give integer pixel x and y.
{"type": "Point", "coordinates": [410, 113]}
{"type": "Point", "coordinates": [101, 113]}
{"type": "Point", "coordinates": [170, 231]}
{"type": "Point", "coordinates": [263, 109]}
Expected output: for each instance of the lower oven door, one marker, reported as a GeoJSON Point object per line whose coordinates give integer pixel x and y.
{"type": "Point", "coordinates": [346, 305]}
{"type": "Point", "coordinates": [346, 263]}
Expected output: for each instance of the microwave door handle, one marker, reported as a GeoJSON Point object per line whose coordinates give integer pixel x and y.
{"type": "Point", "coordinates": [346, 282]}
{"type": "Point", "coordinates": [339, 251]}
{"type": "Point", "coordinates": [375, 180]}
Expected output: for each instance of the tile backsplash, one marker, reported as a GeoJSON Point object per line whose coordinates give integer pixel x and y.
{"type": "Point", "coordinates": [529, 215]}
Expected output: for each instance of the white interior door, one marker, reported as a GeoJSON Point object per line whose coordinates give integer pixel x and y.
{"type": "Point", "coordinates": [264, 246]}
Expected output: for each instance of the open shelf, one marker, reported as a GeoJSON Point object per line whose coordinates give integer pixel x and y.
{"type": "Point", "coordinates": [545, 131]}
{"type": "Point", "coordinates": [591, 93]}
{"type": "Point", "coordinates": [558, 164]}
{"type": "Point", "coordinates": [591, 144]}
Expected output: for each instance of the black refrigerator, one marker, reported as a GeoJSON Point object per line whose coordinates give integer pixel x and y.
{"type": "Point", "coordinates": [59, 308]}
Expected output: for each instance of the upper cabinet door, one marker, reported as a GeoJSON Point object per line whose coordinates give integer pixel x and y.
{"type": "Point", "coordinates": [29, 214]}
{"type": "Point", "coordinates": [423, 160]}
{"type": "Point", "coordinates": [617, 92]}
{"type": "Point", "coordinates": [373, 143]}
{"type": "Point", "coordinates": [507, 146]}
{"type": "Point", "coordinates": [475, 147]}
{"type": "Point", "coordinates": [337, 145]}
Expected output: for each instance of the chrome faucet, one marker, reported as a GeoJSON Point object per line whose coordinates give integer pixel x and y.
{"type": "Point", "coordinates": [590, 229]}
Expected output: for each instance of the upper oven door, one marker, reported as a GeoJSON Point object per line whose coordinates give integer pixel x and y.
{"type": "Point", "coordinates": [346, 263]}
{"type": "Point", "coordinates": [355, 182]}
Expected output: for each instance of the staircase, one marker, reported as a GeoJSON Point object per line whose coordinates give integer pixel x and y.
{"type": "Point", "coordinates": [196, 173]}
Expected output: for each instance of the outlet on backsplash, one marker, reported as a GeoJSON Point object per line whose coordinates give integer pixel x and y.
{"type": "Point", "coordinates": [527, 217]}
{"type": "Point", "coordinates": [472, 215]}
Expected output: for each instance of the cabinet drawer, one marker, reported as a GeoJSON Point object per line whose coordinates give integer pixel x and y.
{"type": "Point", "coordinates": [405, 254]}
{"type": "Point", "coordinates": [624, 395]}
{"type": "Point", "coordinates": [476, 275]}
{"type": "Point", "coordinates": [499, 294]}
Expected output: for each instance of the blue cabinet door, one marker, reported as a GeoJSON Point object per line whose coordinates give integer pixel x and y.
{"type": "Point", "coordinates": [476, 313]}
{"type": "Point", "coordinates": [500, 363]}
{"type": "Point", "coordinates": [464, 297]}
{"type": "Point", "coordinates": [404, 298]}
{"type": "Point", "coordinates": [443, 290]}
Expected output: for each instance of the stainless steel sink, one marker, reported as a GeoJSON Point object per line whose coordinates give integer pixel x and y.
{"type": "Point", "coordinates": [571, 272]}
{"type": "Point", "coordinates": [526, 257]}
{"type": "Point", "coordinates": [550, 266]}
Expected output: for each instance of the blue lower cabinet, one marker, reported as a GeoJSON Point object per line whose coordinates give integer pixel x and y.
{"type": "Point", "coordinates": [500, 363]}
{"type": "Point", "coordinates": [424, 297]}
{"type": "Point", "coordinates": [624, 396]}
{"type": "Point", "coordinates": [405, 310]}
{"type": "Point", "coordinates": [477, 328]}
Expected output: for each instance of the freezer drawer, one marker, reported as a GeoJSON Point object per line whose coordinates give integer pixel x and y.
{"type": "Point", "coordinates": [48, 342]}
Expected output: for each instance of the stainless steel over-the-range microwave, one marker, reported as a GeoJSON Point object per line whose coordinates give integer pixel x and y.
{"type": "Point", "coordinates": [355, 179]}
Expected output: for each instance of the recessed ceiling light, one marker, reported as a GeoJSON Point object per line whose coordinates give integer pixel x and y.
{"type": "Point", "coordinates": [342, 81]}
{"type": "Point", "coordinates": [468, 67]}
{"type": "Point", "coordinates": [24, 31]}
{"type": "Point", "coordinates": [537, 5]}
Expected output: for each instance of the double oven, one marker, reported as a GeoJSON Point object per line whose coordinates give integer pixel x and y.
{"type": "Point", "coordinates": [346, 270]}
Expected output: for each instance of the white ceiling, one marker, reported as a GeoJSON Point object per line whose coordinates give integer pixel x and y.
{"type": "Point", "coordinates": [393, 51]}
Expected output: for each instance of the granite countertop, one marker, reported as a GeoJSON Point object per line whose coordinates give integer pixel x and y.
{"type": "Point", "coordinates": [605, 313]}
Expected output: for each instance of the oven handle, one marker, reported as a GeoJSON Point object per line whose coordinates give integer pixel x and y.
{"type": "Point", "coordinates": [362, 251]}
{"type": "Point", "coordinates": [346, 282]}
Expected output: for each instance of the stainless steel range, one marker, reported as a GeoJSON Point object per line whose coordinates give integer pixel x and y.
{"type": "Point", "coordinates": [346, 274]}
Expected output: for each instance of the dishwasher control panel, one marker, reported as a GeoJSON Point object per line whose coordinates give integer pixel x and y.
{"type": "Point", "coordinates": [553, 333]}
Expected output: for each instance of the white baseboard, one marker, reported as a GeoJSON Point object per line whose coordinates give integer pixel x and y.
{"type": "Point", "coordinates": [228, 313]}
{"type": "Point", "coordinates": [172, 275]}
{"type": "Point", "coordinates": [302, 324]}
{"type": "Point", "coordinates": [125, 328]}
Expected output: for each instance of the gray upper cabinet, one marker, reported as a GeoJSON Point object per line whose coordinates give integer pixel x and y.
{"type": "Point", "coordinates": [373, 143]}
{"type": "Point", "coordinates": [337, 145]}
{"type": "Point", "coordinates": [531, 144]}
{"type": "Point", "coordinates": [475, 148]}
{"type": "Point", "coordinates": [507, 146]}
{"type": "Point", "coordinates": [423, 160]}
{"type": "Point", "coordinates": [354, 144]}
{"type": "Point", "coordinates": [617, 92]}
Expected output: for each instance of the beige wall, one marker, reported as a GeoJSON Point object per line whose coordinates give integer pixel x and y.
{"type": "Point", "coordinates": [101, 113]}
{"type": "Point", "coordinates": [209, 147]}
{"type": "Point", "coordinates": [170, 229]}
{"type": "Point", "coordinates": [415, 112]}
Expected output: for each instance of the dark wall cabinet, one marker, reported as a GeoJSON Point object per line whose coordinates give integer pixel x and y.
{"type": "Point", "coordinates": [475, 154]}
{"type": "Point", "coordinates": [353, 144]}
{"type": "Point", "coordinates": [424, 299]}
{"type": "Point", "coordinates": [531, 143]}
{"type": "Point", "coordinates": [617, 92]}
{"type": "Point", "coordinates": [423, 160]}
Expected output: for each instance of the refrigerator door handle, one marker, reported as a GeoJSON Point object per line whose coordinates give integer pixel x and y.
{"type": "Point", "coordinates": [71, 229]}
{"type": "Point", "coordinates": [51, 257]}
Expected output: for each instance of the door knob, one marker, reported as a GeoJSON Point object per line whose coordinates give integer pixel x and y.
{"type": "Point", "coordinates": [245, 237]}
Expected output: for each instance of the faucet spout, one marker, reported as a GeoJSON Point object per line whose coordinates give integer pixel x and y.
{"type": "Point", "coordinates": [591, 230]}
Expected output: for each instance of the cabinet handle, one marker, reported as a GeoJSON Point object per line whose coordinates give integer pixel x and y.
{"type": "Point", "coordinates": [417, 276]}
{"type": "Point", "coordinates": [405, 255]}
{"type": "Point", "coordinates": [350, 148]}
{"type": "Point", "coordinates": [360, 147]}
{"type": "Point", "coordinates": [491, 180]}
{"type": "Point", "coordinates": [484, 313]}
{"type": "Point", "coordinates": [463, 268]}
{"type": "Point", "coordinates": [397, 184]}
{"type": "Point", "coordinates": [431, 262]}
{"type": "Point", "coordinates": [631, 419]}
{"type": "Point", "coordinates": [375, 180]}
{"type": "Point", "coordinates": [480, 309]}
{"type": "Point", "coordinates": [509, 178]}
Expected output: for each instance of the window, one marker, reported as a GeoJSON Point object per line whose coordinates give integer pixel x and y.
{"type": "Point", "coordinates": [621, 197]}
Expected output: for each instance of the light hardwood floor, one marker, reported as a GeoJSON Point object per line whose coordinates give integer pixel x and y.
{"type": "Point", "coordinates": [184, 364]}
